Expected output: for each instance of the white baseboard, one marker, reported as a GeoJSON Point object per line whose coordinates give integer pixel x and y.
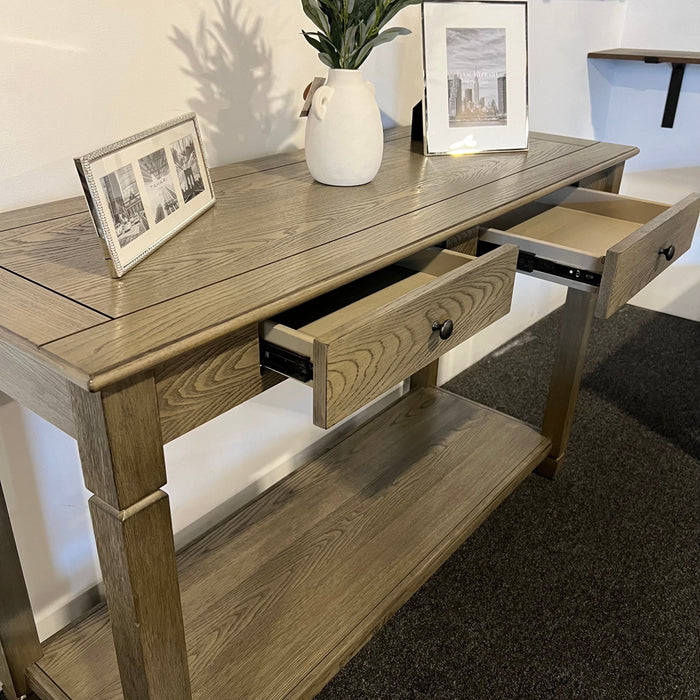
{"type": "Point", "coordinates": [65, 609]}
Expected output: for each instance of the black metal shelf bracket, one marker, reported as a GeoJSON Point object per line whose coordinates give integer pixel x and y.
{"type": "Point", "coordinates": [674, 91]}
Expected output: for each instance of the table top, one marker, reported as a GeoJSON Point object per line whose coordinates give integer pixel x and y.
{"type": "Point", "coordinates": [275, 238]}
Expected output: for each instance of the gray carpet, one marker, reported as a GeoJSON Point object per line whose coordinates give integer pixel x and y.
{"type": "Point", "coordinates": [583, 587]}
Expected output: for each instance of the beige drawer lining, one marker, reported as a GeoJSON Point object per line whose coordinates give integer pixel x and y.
{"type": "Point", "coordinates": [428, 266]}
{"type": "Point", "coordinates": [578, 230]}
{"type": "Point", "coordinates": [573, 226]}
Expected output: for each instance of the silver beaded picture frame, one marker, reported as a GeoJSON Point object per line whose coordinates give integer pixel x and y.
{"type": "Point", "coordinates": [144, 189]}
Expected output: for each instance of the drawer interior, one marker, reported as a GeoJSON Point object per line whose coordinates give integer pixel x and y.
{"type": "Point", "coordinates": [576, 229]}
{"type": "Point", "coordinates": [574, 217]}
{"type": "Point", "coordinates": [352, 300]}
{"type": "Point", "coordinates": [572, 227]}
{"type": "Point", "coordinates": [295, 329]}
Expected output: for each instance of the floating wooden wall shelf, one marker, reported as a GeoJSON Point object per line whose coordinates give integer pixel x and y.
{"type": "Point", "coordinates": [678, 61]}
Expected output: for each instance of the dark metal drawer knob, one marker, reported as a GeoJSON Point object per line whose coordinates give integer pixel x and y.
{"type": "Point", "coordinates": [669, 252]}
{"type": "Point", "coordinates": [445, 328]}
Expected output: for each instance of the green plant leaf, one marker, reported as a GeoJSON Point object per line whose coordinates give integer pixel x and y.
{"type": "Point", "coordinates": [334, 20]}
{"type": "Point", "coordinates": [393, 9]}
{"type": "Point", "coordinates": [349, 37]}
{"type": "Point", "coordinates": [325, 24]}
{"type": "Point", "coordinates": [372, 19]}
{"type": "Point", "coordinates": [362, 55]}
{"type": "Point", "coordinates": [333, 10]}
{"type": "Point", "coordinates": [347, 48]}
{"type": "Point", "coordinates": [312, 11]}
{"type": "Point", "coordinates": [314, 42]}
{"type": "Point", "coordinates": [389, 35]}
{"type": "Point", "coordinates": [350, 29]}
{"type": "Point", "coordinates": [328, 60]}
{"type": "Point", "coordinates": [328, 46]}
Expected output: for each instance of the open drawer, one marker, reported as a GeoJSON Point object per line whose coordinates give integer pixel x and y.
{"type": "Point", "coordinates": [358, 341]}
{"type": "Point", "coordinates": [596, 240]}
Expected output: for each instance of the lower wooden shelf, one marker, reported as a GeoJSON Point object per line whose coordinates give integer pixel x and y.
{"type": "Point", "coordinates": [281, 595]}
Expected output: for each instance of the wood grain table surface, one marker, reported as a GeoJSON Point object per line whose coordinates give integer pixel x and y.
{"type": "Point", "coordinates": [275, 238]}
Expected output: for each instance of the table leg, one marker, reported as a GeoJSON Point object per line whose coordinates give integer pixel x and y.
{"type": "Point", "coordinates": [19, 641]}
{"type": "Point", "coordinates": [121, 451]}
{"type": "Point", "coordinates": [573, 343]}
{"type": "Point", "coordinates": [608, 180]}
{"type": "Point", "coordinates": [6, 684]}
{"type": "Point", "coordinates": [566, 376]}
{"type": "Point", "coordinates": [426, 377]}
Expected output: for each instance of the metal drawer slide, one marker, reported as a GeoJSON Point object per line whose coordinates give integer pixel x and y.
{"type": "Point", "coordinates": [530, 262]}
{"type": "Point", "coordinates": [287, 362]}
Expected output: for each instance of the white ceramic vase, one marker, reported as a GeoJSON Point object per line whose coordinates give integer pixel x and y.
{"type": "Point", "coordinates": [344, 137]}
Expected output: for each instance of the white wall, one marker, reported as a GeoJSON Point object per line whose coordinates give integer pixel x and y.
{"type": "Point", "coordinates": [77, 75]}
{"type": "Point", "coordinates": [628, 101]}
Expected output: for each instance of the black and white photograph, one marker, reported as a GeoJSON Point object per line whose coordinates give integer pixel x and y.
{"type": "Point", "coordinates": [144, 189]}
{"type": "Point", "coordinates": [476, 77]}
{"type": "Point", "coordinates": [125, 204]}
{"type": "Point", "coordinates": [187, 169]}
{"type": "Point", "coordinates": [158, 179]}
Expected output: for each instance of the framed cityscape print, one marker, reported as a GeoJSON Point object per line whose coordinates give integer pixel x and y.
{"type": "Point", "coordinates": [476, 82]}
{"type": "Point", "coordinates": [144, 189]}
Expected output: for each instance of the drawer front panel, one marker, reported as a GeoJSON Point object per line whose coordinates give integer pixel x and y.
{"type": "Point", "coordinates": [636, 260]}
{"type": "Point", "coordinates": [357, 362]}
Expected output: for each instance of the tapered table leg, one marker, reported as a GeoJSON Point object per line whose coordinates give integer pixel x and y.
{"type": "Point", "coordinates": [566, 376]}
{"type": "Point", "coordinates": [121, 451]}
{"type": "Point", "coordinates": [573, 344]}
{"type": "Point", "coordinates": [19, 641]}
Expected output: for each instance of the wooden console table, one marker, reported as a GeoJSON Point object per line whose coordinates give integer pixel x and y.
{"type": "Point", "coordinates": [276, 599]}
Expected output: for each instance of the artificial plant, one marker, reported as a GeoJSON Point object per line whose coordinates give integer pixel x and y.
{"type": "Point", "coordinates": [348, 30]}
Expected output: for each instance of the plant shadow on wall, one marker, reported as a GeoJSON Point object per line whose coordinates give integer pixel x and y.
{"type": "Point", "coordinates": [229, 59]}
